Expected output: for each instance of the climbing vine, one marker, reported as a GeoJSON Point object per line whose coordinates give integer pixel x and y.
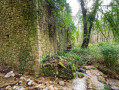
{"type": "Point", "coordinates": [62, 13]}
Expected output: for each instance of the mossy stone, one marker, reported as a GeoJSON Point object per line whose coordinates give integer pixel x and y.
{"type": "Point", "coordinates": [74, 74]}
{"type": "Point", "coordinates": [80, 75]}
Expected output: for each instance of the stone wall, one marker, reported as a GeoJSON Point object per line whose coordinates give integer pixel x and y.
{"type": "Point", "coordinates": [28, 32]}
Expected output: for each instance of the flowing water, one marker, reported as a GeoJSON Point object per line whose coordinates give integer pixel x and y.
{"type": "Point", "coordinates": [79, 83]}
{"type": "Point", "coordinates": [91, 81]}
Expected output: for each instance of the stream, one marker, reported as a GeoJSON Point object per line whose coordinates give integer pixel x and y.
{"type": "Point", "coordinates": [94, 80]}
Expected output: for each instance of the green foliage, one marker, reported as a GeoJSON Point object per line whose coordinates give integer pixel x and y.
{"type": "Point", "coordinates": [103, 43]}
{"type": "Point", "coordinates": [62, 14]}
{"type": "Point", "coordinates": [110, 54]}
{"type": "Point", "coordinates": [90, 53]}
{"type": "Point", "coordinates": [74, 75]}
{"type": "Point", "coordinates": [61, 64]}
{"type": "Point", "coordinates": [107, 87]}
{"type": "Point", "coordinates": [9, 67]}
{"type": "Point", "coordinates": [80, 75]}
{"type": "Point", "coordinates": [74, 58]}
{"type": "Point", "coordinates": [109, 20]}
{"type": "Point", "coordinates": [93, 68]}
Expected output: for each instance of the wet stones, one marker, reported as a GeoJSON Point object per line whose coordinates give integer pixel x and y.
{"type": "Point", "coordinates": [18, 88]}
{"type": "Point", "coordinates": [101, 79]}
{"type": "Point", "coordinates": [30, 82]}
{"type": "Point", "coordinates": [9, 74]}
{"type": "Point", "coordinates": [8, 88]}
{"type": "Point", "coordinates": [61, 83]}
{"type": "Point", "coordinates": [81, 70]}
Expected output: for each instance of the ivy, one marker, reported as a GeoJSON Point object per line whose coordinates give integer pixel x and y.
{"type": "Point", "coordinates": [62, 14]}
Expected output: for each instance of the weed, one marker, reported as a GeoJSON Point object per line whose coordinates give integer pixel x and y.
{"type": "Point", "coordinates": [93, 68]}
{"type": "Point", "coordinates": [110, 54]}
{"type": "Point", "coordinates": [107, 87]}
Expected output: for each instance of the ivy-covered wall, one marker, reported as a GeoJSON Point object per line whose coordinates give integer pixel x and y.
{"type": "Point", "coordinates": [28, 33]}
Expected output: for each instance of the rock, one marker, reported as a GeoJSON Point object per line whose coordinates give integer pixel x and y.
{"type": "Point", "coordinates": [23, 78]}
{"type": "Point", "coordinates": [18, 88]}
{"type": "Point", "coordinates": [22, 88]}
{"type": "Point", "coordinates": [55, 88]}
{"type": "Point", "coordinates": [30, 82]}
{"type": "Point", "coordinates": [9, 74]}
{"type": "Point", "coordinates": [101, 79]}
{"type": "Point", "coordinates": [8, 88]}
{"type": "Point", "coordinates": [64, 89]}
{"type": "Point", "coordinates": [15, 88]}
{"type": "Point", "coordinates": [82, 70]}
{"type": "Point", "coordinates": [98, 74]}
{"type": "Point", "coordinates": [46, 88]}
{"type": "Point", "coordinates": [20, 82]}
{"type": "Point", "coordinates": [61, 83]}
{"type": "Point", "coordinates": [117, 84]}
{"type": "Point", "coordinates": [51, 87]}
{"type": "Point", "coordinates": [40, 86]}
{"type": "Point", "coordinates": [90, 86]}
{"type": "Point", "coordinates": [115, 88]}
{"type": "Point", "coordinates": [110, 83]}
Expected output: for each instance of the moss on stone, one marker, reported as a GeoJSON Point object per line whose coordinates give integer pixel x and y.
{"type": "Point", "coordinates": [50, 70]}
{"type": "Point", "coordinates": [80, 75]}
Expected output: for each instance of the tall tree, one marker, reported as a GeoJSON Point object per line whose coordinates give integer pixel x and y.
{"type": "Point", "coordinates": [88, 19]}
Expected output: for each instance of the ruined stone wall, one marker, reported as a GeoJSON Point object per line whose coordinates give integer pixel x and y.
{"type": "Point", "coordinates": [17, 32]}
{"type": "Point", "coordinates": [28, 32]}
{"type": "Point", "coordinates": [51, 40]}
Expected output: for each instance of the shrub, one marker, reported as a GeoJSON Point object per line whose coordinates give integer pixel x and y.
{"type": "Point", "coordinates": [80, 50]}
{"type": "Point", "coordinates": [80, 75]}
{"type": "Point", "coordinates": [110, 54]}
{"type": "Point", "coordinates": [74, 58]}
{"type": "Point", "coordinates": [103, 43]}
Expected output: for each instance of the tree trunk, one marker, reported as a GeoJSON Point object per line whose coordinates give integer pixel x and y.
{"type": "Point", "coordinates": [87, 31]}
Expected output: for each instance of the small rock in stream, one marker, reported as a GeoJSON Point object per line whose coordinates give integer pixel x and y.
{"type": "Point", "coordinates": [51, 87]}
{"type": "Point", "coordinates": [15, 88]}
{"type": "Point", "coordinates": [101, 79]}
{"type": "Point", "coordinates": [30, 82]}
{"type": "Point", "coordinates": [46, 88]}
{"type": "Point", "coordinates": [117, 84]}
{"type": "Point", "coordinates": [21, 88]}
{"type": "Point", "coordinates": [9, 74]}
{"type": "Point", "coordinates": [8, 88]}
{"type": "Point", "coordinates": [61, 83]}
{"type": "Point", "coordinates": [115, 88]}
{"type": "Point", "coordinates": [82, 70]}
{"type": "Point", "coordinates": [18, 88]}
